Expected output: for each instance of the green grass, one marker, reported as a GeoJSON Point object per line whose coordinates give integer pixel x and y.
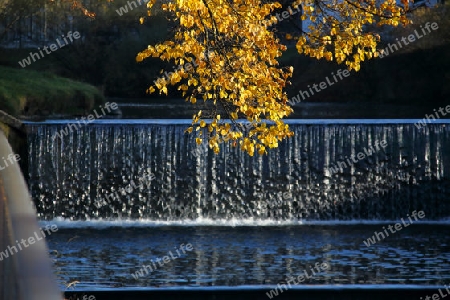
{"type": "Point", "coordinates": [27, 93]}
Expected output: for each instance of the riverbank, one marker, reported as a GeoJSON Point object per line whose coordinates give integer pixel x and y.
{"type": "Point", "coordinates": [28, 93]}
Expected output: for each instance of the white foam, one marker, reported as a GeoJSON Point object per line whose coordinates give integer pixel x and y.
{"type": "Point", "coordinates": [105, 223]}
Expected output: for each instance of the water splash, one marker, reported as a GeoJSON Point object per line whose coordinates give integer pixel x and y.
{"type": "Point", "coordinates": [70, 177]}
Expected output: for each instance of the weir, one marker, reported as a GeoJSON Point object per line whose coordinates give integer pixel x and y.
{"type": "Point", "coordinates": [304, 179]}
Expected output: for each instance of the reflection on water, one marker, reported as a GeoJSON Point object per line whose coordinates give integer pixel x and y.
{"type": "Point", "coordinates": [227, 256]}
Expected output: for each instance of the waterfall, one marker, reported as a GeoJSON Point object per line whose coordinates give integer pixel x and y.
{"type": "Point", "coordinates": [154, 170]}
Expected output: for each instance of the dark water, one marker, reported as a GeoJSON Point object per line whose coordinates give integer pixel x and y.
{"type": "Point", "coordinates": [179, 109]}
{"type": "Point", "coordinates": [234, 256]}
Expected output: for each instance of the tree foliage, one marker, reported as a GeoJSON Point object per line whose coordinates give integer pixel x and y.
{"type": "Point", "coordinates": [234, 46]}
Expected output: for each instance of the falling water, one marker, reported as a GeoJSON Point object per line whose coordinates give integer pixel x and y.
{"type": "Point", "coordinates": [153, 170]}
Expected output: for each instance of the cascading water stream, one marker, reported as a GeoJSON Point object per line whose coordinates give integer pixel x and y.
{"type": "Point", "coordinates": [126, 180]}
{"type": "Point", "coordinates": [153, 170]}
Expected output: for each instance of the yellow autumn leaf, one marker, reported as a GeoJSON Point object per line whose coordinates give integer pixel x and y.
{"type": "Point", "coordinates": [234, 55]}
{"type": "Point", "coordinates": [262, 150]}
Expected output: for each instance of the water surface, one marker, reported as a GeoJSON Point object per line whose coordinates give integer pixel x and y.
{"type": "Point", "coordinates": [106, 257]}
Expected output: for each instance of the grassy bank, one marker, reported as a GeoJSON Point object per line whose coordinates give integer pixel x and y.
{"type": "Point", "coordinates": [30, 93]}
